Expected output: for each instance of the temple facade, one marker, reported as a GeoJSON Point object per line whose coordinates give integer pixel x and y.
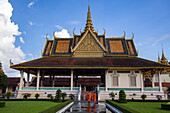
{"type": "Point", "coordinates": [91, 62]}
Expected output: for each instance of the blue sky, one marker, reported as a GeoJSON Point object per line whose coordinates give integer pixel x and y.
{"type": "Point", "coordinates": [149, 20]}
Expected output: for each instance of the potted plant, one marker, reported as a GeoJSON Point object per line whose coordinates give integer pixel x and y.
{"type": "Point", "coordinates": [112, 95]}
{"type": "Point", "coordinates": [143, 96]}
{"type": "Point", "coordinates": [8, 95]}
{"type": "Point", "coordinates": [37, 95]}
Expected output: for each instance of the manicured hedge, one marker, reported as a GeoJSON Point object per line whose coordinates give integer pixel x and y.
{"type": "Point", "coordinates": [135, 100]}
{"type": "Point", "coordinates": [26, 100]}
{"type": "Point", "coordinates": [119, 107]}
{"type": "Point", "coordinates": [57, 108]}
{"type": "Point", "coordinates": [2, 104]}
{"type": "Point", "coordinates": [165, 106]}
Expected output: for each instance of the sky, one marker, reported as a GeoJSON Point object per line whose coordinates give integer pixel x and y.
{"type": "Point", "coordinates": [24, 25]}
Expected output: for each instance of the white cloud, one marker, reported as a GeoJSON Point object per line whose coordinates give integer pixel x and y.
{"type": "Point", "coordinates": [163, 37]}
{"type": "Point", "coordinates": [8, 31]}
{"type": "Point", "coordinates": [59, 27]}
{"type": "Point", "coordinates": [62, 34]}
{"type": "Point", "coordinates": [30, 54]}
{"type": "Point", "coordinates": [30, 23]}
{"type": "Point", "coordinates": [22, 40]}
{"type": "Point", "coordinates": [139, 44]}
{"type": "Point", "coordinates": [31, 4]}
{"type": "Point", "coordinates": [74, 22]}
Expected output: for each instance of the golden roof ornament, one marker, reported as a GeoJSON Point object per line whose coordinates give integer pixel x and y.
{"type": "Point", "coordinates": [89, 24]}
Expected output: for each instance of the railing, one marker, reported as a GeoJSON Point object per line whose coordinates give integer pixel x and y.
{"type": "Point", "coordinates": [29, 88]}
{"type": "Point", "coordinates": [51, 88]}
{"type": "Point", "coordinates": [151, 89]}
{"type": "Point", "coordinates": [125, 89]}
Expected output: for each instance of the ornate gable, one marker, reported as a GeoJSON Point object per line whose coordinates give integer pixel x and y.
{"type": "Point", "coordinates": [89, 46]}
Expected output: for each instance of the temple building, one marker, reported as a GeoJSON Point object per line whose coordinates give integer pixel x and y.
{"type": "Point", "coordinates": [91, 62]}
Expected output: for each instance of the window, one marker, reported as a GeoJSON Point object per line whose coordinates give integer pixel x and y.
{"type": "Point", "coordinates": [133, 80]}
{"type": "Point", "coordinates": [115, 80]}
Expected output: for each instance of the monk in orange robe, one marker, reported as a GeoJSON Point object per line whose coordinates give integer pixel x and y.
{"type": "Point", "coordinates": [88, 96]}
{"type": "Point", "coordinates": [94, 97]}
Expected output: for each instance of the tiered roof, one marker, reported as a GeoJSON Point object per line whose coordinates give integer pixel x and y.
{"type": "Point", "coordinates": [90, 50]}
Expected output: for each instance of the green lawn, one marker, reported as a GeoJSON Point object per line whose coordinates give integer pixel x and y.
{"type": "Point", "coordinates": [146, 107]}
{"type": "Point", "coordinates": [140, 107]}
{"type": "Point", "coordinates": [27, 106]}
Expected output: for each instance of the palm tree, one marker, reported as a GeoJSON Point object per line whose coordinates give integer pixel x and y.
{"type": "Point", "coordinates": [3, 82]}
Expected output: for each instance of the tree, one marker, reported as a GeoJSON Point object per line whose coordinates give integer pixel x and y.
{"type": "Point", "coordinates": [26, 95]}
{"type": "Point", "coordinates": [71, 96]}
{"type": "Point", "coordinates": [8, 95]}
{"type": "Point", "coordinates": [58, 95]}
{"type": "Point", "coordinates": [122, 96]}
{"type": "Point", "coordinates": [112, 95]}
{"type": "Point", "coordinates": [64, 94]}
{"type": "Point", "coordinates": [143, 96]}
{"type": "Point", "coordinates": [3, 82]}
{"type": "Point", "coordinates": [37, 95]}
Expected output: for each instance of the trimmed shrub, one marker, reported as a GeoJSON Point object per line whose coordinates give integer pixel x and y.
{"type": "Point", "coordinates": [63, 95]}
{"type": "Point", "coordinates": [2, 104]}
{"type": "Point", "coordinates": [165, 106]}
{"type": "Point", "coordinates": [50, 96]}
{"type": "Point", "coordinates": [122, 96]}
{"type": "Point", "coordinates": [26, 95]}
{"type": "Point", "coordinates": [112, 95]}
{"type": "Point", "coordinates": [57, 107]}
{"type": "Point", "coordinates": [120, 107]}
{"type": "Point", "coordinates": [71, 96]}
{"type": "Point", "coordinates": [37, 95]}
{"type": "Point", "coordinates": [8, 95]}
{"type": "Point", "coordinates": [143, 96]}
{"type": "Point", "coordinates": [58, 95]}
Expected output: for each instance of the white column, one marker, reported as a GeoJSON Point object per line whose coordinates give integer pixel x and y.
{"type": "Point", "coordinates": [160, 83]}
{"type": "Point", "coordinates": [28, 78]}
{"type": "Point", "coordinates": [21, 79]}
{"type": "Point", "coordinates": [141, 77]}
{"type": "Point", "coordinates": [71, 80]}
{"type": "Point", "coordinates": [38, 79]}
{"type": "Point", "coordinates": [153, 81]}
{"type": "Point", "coordinates": [106, 80]}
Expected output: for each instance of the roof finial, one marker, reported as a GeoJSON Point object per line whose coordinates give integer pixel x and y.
{"type": "Point", "coordinates": [124, 34]}
{"type": "Point", "coordinates": [89, 25]}
{"type": "Point", "coordinates": [88, 13]}
{"type": "Point", "coordinates": [132, 36]}
{"type": "Point", "coordinates": [159, 60]}
{"type": "Point", "coordinates": [163, 56]}
{"type": "Point", "coordinates": [104, 31]}
{"type": "Point", "coordinates": [46, 36]}
{"type": "Point", "coordinates": [73, 31]}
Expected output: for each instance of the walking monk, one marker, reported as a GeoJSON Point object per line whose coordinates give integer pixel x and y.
{"type": "Point", "coordinates": [88, 96]}
{"type": "Point", "coordinates": [94, 97]}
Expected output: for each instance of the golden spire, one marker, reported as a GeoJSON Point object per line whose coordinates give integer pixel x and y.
{"type": "Point", "coordinates": [89, 25]}
{"type": "Point", "coordinates": [159, 60]}
{"type": "Point", "coordinates": [163, 56]}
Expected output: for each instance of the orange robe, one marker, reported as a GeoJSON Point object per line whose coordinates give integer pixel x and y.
{"type": "Point", "coordinates": [88, 96]}
{"type": "Point", "coordinates": [94, 97]}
